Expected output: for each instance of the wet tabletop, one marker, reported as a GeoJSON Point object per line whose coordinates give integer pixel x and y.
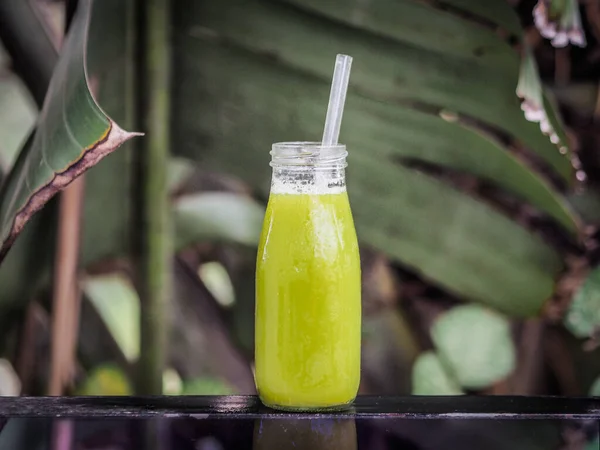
{"type": "Point", "coordinates": [241, 422]}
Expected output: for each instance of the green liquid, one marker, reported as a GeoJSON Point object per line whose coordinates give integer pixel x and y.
{"type": "Point", "coordinates": [308, 306]}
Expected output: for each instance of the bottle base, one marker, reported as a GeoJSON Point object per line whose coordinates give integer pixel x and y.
{"type": "Point", "coordinates": [307, 408]}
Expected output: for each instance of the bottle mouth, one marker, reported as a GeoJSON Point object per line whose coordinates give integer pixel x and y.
{"type": "Point", "coordinates": [313, 154]}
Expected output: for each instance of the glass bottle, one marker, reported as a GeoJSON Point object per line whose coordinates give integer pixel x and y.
{"type": "Point", "coordinates": [308, 289]}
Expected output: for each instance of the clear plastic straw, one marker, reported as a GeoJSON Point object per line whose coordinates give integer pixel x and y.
{"type": "Point", "coordinates": [337, 98]}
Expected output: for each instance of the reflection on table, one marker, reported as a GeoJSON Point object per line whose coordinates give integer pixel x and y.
{"type": "Point", "coordinates": [305, 434]}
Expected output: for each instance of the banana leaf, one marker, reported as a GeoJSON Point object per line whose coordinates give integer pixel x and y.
{"type": "Point", "coordinates": [72, 134]}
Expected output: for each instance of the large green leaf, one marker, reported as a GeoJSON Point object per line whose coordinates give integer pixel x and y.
{"type": "Point", "coordinates": [397, 71]}
{"type": "Point", "coordinates": [493, 12]}
{"type": "Point", "coordinates": [430, 377]}
{"type": "Point", "coordinates": [595, 389]}
{"type": "Point", "coordinates": [17, 114]}
{"type": "Point", "coordinates": [107, 209]}
{"type": "Point", "coordinates": [476, 344]}
{"type": "Point", "coordinates": [218, 282]}
{"type": "Point", "coordinates": [217, 216]}
{"type": "Point", "coordinates": [424, 25]}
{"type": "Point", "coordinates": [583, 315]}
{"type": "Point", "coordinates": [228, 122]}
{"type": "Point", "coordinates": [72, 135]}
{"type": "Point", "coordinates": [117, 303]}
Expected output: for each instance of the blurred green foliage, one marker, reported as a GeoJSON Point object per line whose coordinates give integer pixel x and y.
{"type": "Point", "coordinates": [432, 103]}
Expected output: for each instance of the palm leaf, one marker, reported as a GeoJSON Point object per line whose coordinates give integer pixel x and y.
{"type": "Point", "coordinates": [250, 73]}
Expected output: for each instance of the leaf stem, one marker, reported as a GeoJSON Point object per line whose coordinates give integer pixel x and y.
{"type": "Point", "coordinates": [66, 292]}
{"type": "Point", "coordinates": [153, 230]}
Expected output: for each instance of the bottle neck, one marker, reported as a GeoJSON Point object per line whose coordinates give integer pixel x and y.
{"type": "Point", "coordinates": [308, 168]}
{"type": "Point", "coordinates": [308, 180]}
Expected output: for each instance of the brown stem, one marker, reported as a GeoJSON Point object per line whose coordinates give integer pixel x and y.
{"type": "Point", "coordinates": [562, 71]}
{"type": "Point", "coordinates": [532, 37]}
{"type": "Point", "coordinates": [525, 380]}
{"type": "Point", "coordinates": [592, 14]}
{"type": "Point", "coordinates": [65, 314]}
{"type": "Point", "coordinates": [560, 360]}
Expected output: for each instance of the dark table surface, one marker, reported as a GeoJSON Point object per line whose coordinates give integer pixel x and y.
{"type": "Point", "coordinates": [249, 407]}
{"type": "Point", "coordinates": [241, 422]}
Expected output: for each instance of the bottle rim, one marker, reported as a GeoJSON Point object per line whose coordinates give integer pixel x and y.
{"type": "Point", "coordinates": [306, 153]}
